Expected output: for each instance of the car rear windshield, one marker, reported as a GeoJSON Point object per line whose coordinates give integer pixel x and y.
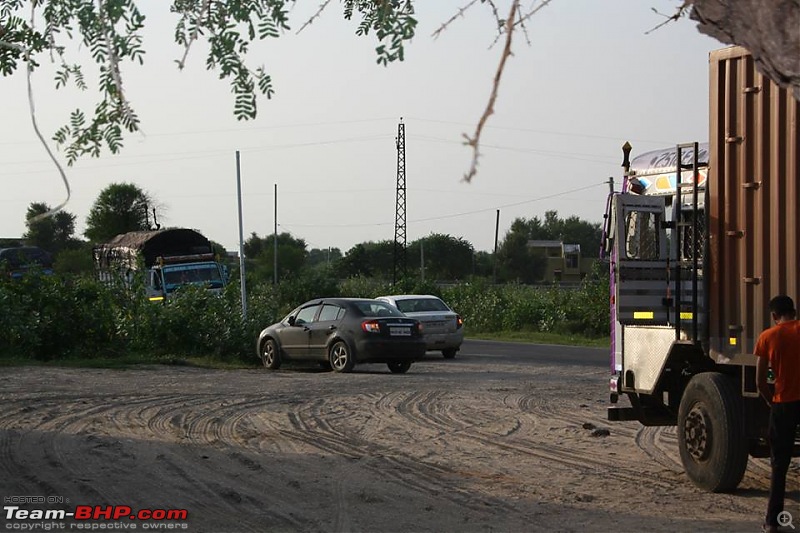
{"type": "Point", "coordinates": [416, 305]}
{"type": "Point", "coordinates": [377, 309]}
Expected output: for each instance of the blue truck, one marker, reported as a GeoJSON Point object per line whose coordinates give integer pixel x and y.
{"type": "Point", "coordinates": [167, 259]}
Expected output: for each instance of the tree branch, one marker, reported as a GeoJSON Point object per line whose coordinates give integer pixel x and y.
{"type": "Point", "coordinates": [474, 141]}
{"type": "Point", "coordinates": [194, 35]}
{"type": "Point", "coordinates": [315, 15]}
{"type": "Point", "coordinates": [670, 18]}
{"type": "Point", "coordinates": [113, 61]}
{"type": "Point", "coordinates": [32, 107]}
{"type": "Point", "coordinates": [449, 21]}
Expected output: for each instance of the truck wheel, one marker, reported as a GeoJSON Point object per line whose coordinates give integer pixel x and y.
{"type": "Point", "coordinates": [269, 355]}
{"type": "Point", "coordinates": [711, 439]}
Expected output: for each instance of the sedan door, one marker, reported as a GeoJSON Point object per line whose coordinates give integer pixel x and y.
{"type": "Point", "coordinates": [295, 337]}
{"type": "Point", "coordinates": [326, 324]}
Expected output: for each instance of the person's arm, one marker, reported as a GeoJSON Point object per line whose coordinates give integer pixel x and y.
{"type": "Point", "coordinates": [762, 369]}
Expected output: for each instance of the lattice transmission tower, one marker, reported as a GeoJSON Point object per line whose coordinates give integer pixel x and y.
{"type": "Point", "coordinates": [400, 207]}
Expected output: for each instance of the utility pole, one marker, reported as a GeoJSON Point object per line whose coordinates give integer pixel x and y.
{"type": "Point", "coordinates": [494, 256]}
{"type": "Point", "coordinates": [422, 259]}
{"type": "Point", "coordinates": [400, 206]}
{"type": "Point", "coordinates": [275, 242]}
{"type": "Point", "coordinates": [241, 237]}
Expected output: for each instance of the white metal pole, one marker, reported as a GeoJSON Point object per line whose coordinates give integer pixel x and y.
{"type": "Point", "coordinates": [241, 237]}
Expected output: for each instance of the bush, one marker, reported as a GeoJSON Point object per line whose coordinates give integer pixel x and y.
{"type": "Point", "coordinates": [49, 317]}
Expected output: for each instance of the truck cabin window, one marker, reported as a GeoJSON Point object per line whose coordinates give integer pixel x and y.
{"type": "Point", "coordinates": [193, 275]}
{"type": "Point", "coordinates": [642, 235]}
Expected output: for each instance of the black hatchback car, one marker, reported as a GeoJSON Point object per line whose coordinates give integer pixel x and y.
{"type": "Point", "coordinates": [340, 332]}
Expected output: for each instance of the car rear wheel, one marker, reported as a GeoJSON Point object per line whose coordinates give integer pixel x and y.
{"type": "Point", "coordinates": [270, 356]}
{"type": "Point", "coordinates": [399, 367]}
{"type": "Point", "coordinates": [449, 353]}
{"type": "Point", "coordinates": [340, 357]}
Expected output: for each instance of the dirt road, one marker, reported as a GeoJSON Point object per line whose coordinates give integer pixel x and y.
{"type": "Point", "coordinates": [477, 443]}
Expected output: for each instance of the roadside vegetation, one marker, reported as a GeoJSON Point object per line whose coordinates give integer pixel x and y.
{"type": "Point", "coordinates": [76, 319]}
{"type": "Point", "coordinates": [71, 317]}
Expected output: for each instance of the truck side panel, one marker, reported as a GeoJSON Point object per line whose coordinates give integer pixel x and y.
{"type": "Point", "coordinates": [754, 201]}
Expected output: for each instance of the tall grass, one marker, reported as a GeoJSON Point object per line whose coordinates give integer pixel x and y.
{"type": "Point", "coordinates": [53, 317]}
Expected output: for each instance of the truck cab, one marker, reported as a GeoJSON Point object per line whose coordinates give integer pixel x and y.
{"type": "Point", "coordinates": [173, 273]}
{"type": "Point", "coordinates": [165, 260]}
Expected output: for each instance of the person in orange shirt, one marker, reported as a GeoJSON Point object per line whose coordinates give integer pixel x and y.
{"type": "Point", "coordinates": [779, 348]}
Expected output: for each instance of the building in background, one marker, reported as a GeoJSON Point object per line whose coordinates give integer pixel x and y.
{"type": "Point", "coordinates": [563, 262]}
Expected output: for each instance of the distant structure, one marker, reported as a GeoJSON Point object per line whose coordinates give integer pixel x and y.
{"type": "Point", "coordinates": [563, 262]}
{"type": "Point", "coordinates": [400, 206]}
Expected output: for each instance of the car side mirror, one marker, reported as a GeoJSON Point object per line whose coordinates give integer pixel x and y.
{"type": "Point", "coordinates": [291, 321]}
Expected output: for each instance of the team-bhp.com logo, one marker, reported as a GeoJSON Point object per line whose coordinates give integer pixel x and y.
{"type": "Point", "coordinates": [87, 516]}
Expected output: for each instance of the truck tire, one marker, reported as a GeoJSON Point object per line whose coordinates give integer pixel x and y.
{"type": "Point", "coordinates": [711, 438]}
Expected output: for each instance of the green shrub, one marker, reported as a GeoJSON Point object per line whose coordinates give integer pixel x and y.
{"type": "Point", "coordinates": [50, 317]}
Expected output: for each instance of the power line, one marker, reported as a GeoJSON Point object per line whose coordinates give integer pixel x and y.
{"type": "Point", "coordinates": [590, 158]}
{"type": "Point", "coordinates": [454, 215]}
{"type": "Point", "coordinates": [239, 130]}
{"type": "Point", "coordinates": [546, 132]}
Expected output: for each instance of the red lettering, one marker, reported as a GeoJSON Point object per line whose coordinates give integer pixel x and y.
{"type": "Point", "coordinates": [106, 513]}
{"type": "Point", "coordinates": [121, 511]}
{"type": "Point", "coordinates": [83, 512]}
{"type": "Point", "coordinates": [159, 514]}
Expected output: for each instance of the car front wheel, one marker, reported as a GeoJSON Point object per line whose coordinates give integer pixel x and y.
{"type": "Point", "coordinates": [399, 367]}
{"type": "Point", "coordinates": [269, 355]}
{"type": "Point", "coordinates": [341, 358]}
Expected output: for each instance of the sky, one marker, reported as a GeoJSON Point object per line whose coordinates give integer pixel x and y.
{"type": "Point", "coordinates": [591, 78]}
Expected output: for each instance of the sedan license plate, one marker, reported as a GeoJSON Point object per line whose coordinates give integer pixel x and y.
{"type": "Point", "coordinates": [399, 332]}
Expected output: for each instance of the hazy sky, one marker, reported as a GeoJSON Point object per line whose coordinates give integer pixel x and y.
{"type": "Point", "coordinates": [590, 80]}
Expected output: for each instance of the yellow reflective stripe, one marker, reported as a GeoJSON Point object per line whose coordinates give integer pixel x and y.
{"type": "Point", "coordinates": [732, 341]}
{"type": "Point", "coordinates": [643, 315]}
{"type": "Point", "coordinates": [686, 316]}
{"type": "Point", "coordinates": [156, 298]}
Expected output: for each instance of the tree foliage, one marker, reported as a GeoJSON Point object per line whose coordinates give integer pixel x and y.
{"type": "Point", "coordinates": [260, 255]}
{"type": "Point", "coordinates": [52, 233]}
{"type": "Point", "coordinates": [323, 257]}
{"type": "Point", "coordinates": [516, 260]}
{"type": "Point", "coordinates": [368, 259]}
{"type": "Point", "coordinates": [32, 31]}
{"type": "Point", "coordinates": [120, 208]}
{"type": "Point", "coordinates": [443, 257]}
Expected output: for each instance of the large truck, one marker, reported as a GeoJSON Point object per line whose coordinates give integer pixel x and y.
{"type": "Point", "coordinates": [699, 239]}
{"type": "Point", "coordinates": [166, 260]}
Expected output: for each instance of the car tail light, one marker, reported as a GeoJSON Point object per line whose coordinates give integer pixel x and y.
{"type": "Point", "coordinates": [371, 326]}
{"type": "Point", "coordinates": [459, 321]}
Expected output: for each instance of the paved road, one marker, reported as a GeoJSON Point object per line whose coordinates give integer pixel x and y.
{"type": "Point", "coordinates": [546, 354]}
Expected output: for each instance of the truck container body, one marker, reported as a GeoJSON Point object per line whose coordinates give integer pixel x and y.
{"type": "Point", "coordinates": [753, 201]}
{"type": "Point", "coordinates": [167, 259]}
{"type": "Point", "coordinates": [700, 238]}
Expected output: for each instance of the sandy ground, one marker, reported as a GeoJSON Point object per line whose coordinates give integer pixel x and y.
{"type": "Point", "coordinates": [471, 444]}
